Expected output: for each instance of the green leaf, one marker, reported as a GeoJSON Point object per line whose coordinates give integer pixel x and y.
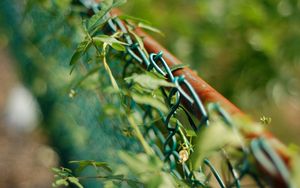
{"type": "Point", "coordinates": [113, 42]}
{"type": "Point", "coordinates": [118, 3]}
{"type": "Point", "coordinates": [75, 181]}
{"type": "Point", "coordinates": [118, 47]}
{"type": "Point", "coordinates": [141, 162]}
{"type": "Point", "coordinates": [139, 40]}
{"type": "Point", "coordinates": [212, 139]}
{"type": "Point", "coordinates": [200, 176]}
{"type": "Point", "coordinates": [62, 172]}
{"type": "Point", "coordinates": [66, 170]}
{"type": "Point", "coordinates": [80, 50]}
{"type": "Point", "coordinates": [86, 163]}
{"type": "Point", "coordinates": [148, 169]}
{"type": "Point", "coordinates": [56, 170]}
{"type": "Point", "coordinates": [100, 17]}
{"type": "Point", "coordinates": [190, 133]}
{"type": "Point", "coordinates": [178, 66]}
{"type": "Point", "coordinates": [135, 19]}
{"type": "Point", "coordinates": [60, 182]}
{"type": "Point", "coordinates": [148, 81]}
{"type": "Point", "coordinates": [149, 28]}
{"type": "Point", "coordinates": [149, 100]}
{"type": "Point", "coordinates": [99, 39]}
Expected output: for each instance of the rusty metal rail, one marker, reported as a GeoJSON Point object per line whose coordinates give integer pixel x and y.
{"type": "Point", "coordinates": [204, 90]}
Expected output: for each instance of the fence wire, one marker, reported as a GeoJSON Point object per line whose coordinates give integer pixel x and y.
{"type": "Point", "coordinates": [171, 144]}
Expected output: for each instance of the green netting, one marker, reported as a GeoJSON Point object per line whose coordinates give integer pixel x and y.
{"type": "Point", "coordinates": [42, 43]}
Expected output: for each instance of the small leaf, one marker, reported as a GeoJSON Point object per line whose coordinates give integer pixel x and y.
{"type": "Point", "coordinates": [149, 82]}
{"type": "Point", "coordinates": [61, 172]}
{"type": "Point", "coordinates": [75, 181]}
{"type": "Point", "coordinates": [113, 42]}
{"type": "Point", "coordinates": [80, 50]}
{"type": "Point", "coordinates": [135, 19]}
{"type": "Point", "coordinates": [178, 66]}
{"type": "Point", "coordinates": [139, 40]}
{"type": "Point", "coordinates": [190, 133]}
{"type": "Point", "coordinates": [66, 170]}
{"type": "Point", "coordinates": [148, 169]}
{"type": "Point", "coordinates": [212, 139]}
{"type": "Point", "coordinates": [118, 47]}
{"type": "Point", "coordinates": [200, 176]}
{"type": "Point", "coordinates": [100, 17]}
{"type": "Point", "coordinates": [118, 3]}
{"type": "Point", "coordinates": [99, 39]}
{"type": "Point", "coordinates": [141, 162]}
{"type": "Point", "coordinates": [56, 170]}
{"type": "Point", "coordinates": [86, 163]}
{"type": "Point", "coordinates": [150, 28]}
{"type": "Point", "coordinates": [60, 182]}
{"type": "Point", "coordinates": [149, 100]}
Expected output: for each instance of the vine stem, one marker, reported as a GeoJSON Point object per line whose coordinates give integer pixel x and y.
{"type": "Point", "coordinates": [140, 136]}
{"type": "Point", "coordinates": [115, 177]}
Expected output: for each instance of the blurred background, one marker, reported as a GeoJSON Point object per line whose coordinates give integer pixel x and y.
{"type": "Point", "coordinates": [247, 50]}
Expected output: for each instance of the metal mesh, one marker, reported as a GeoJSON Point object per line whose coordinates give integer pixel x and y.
{"type": "Point", "coordinates": [170, 142]}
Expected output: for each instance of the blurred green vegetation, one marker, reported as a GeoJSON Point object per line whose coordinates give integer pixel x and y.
{"type": "Point", "coordinates": [248, 50]}
{"type": "Point", "coordinates": [42, 36]}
